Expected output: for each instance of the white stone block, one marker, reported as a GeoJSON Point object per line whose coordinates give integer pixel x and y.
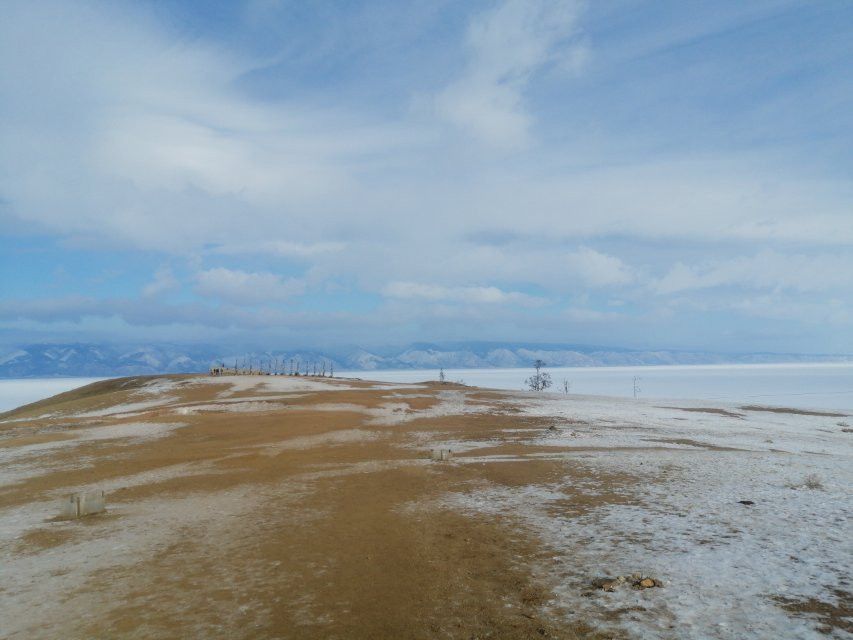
{"type": "Point", "coordinates": [77, 505]}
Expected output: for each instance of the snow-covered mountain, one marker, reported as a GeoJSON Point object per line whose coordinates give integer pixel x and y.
{"type": "Point", "coordinates": [54, 360]}
{"type": "Point", "coordinates": [49, 360]}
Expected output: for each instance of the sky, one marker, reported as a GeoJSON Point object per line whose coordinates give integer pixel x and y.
{"type": "Point", "coordinates": [645, 174]}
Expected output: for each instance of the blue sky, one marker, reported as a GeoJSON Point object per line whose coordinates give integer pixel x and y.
{"type": "Point", "coordinates": [642, 174]}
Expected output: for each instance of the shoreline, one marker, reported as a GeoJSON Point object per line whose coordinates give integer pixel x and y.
{"type": "Point", "coordinates": [831, 392]}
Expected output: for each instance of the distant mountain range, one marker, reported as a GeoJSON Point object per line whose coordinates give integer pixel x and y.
{"type": "Point", "coordinates": [93, 360]}
{"type": "Point", "coordinates": [102, 360]}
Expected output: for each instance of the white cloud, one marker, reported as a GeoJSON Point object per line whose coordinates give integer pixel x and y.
{"type": "Point", "coordinates": [506, 46]}
{"type": "Point", "coordinates": [157, 150]}
{"type": "Point", "coordinates": [597, 269]}
{"type": "Point", "coordinates": [473, 295]}
{"type": "Point", "coordinates": [281, 248]}
{"type": "Point", "coordinates": [121, 130]}
{"type": "Point", "coordinates": [72, 307]}
{"type": "Point", "coordinates": [720, 198]}
{"type": "Point", "coordinates": [152, 142]}
{"type": "Point", "coordinates": [767, 270]}
{"type": "Point", "coordinates": [247, 288]}
{"type": "Point", "coordinates": [164, 280]}
{"type": "Point", "coordinates": [580, 315]}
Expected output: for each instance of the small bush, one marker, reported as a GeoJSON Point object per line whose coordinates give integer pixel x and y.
{"type": "Point", "coordinates": [812, 482]}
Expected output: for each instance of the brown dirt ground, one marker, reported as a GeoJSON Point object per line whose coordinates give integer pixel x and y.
{"type": "Point", "coordinates": [720, 412]}
{"type": "Point", "coordinates": [830, 615]}
{"type": "Point", "coordinates": [344, 538]}
{"type": "Point", "coordinates": [795, 412]}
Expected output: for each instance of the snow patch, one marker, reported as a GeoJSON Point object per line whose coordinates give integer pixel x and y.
{"type": "Point", "coordinates": [32, 460]}
{"type": "Point", "coordinates": [722, 561]}
{"type": "Point", "coordinates": [125, 409]}
{"type": "Point", "coordinates": [232, 407]}
{"type": "Point", "coordinates": [345, 436]}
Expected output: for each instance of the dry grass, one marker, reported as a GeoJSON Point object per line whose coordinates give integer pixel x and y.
{"type": "Point", "coordinates": [831, 616]}
{"type": "Point", "coordinates": [257, 539]}
{"type": "Point", "coordinates": [811, 481]}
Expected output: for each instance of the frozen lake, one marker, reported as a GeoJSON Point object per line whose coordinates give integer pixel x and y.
{"type": "Point", "coordinates": [16, 392]}
{"type": "Point", "coordinates": [803, 386]}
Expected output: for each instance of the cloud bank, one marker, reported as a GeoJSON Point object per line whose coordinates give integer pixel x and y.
{"type": "Point", "coordinates": [647, 175]}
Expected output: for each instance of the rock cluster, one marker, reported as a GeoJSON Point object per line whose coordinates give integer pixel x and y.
{"type": "Point", "coordinates": [635, 581]}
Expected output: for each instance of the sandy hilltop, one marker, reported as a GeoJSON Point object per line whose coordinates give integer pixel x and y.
{"type": "Point", "coordinates": [290, 507]}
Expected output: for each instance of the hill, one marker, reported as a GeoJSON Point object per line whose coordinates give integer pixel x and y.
{"type": "Point", "coordinates": [277, 506]}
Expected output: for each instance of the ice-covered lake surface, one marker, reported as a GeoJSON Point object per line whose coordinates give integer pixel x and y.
{"type": "Point", "coordinates": [801, 386]}
{"type": "Point", "coordinates": [16, 392]}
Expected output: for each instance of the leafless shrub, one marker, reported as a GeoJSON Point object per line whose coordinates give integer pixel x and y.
{"type": "Point", "coordinates": [812, 482]}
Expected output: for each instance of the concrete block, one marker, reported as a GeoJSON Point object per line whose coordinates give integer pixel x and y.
{"type": "Point", "coordinates": [77, 505]}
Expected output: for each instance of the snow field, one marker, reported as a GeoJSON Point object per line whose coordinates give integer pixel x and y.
{"type": "Point", "coordinates": [722, 562]}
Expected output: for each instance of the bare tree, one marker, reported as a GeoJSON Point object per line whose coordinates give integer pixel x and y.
{"type": "Point", "coordinates": [441, 377]}
{"type": "Point", "coordinates": [566, 386]}
{"type": "Point", "coordinates": [540, 380]}
{"type": "Point", "coordinates": [331, 369]}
